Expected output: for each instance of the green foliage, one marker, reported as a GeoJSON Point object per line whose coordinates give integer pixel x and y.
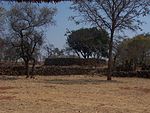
{"type": "Point", "coordinates": [135, 51]}
{"type": "Point", "coordinates": [89, 42]}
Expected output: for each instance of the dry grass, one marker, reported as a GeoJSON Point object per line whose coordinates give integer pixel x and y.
{"type": "Point", "coordinates": [74, 94]}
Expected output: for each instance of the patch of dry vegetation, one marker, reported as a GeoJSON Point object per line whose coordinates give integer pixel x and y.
{"type": "Point", "coordinates": [74, 94]}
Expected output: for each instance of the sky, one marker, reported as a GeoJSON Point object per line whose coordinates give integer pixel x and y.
{"type": "Point", "coordinates": [55, 34]}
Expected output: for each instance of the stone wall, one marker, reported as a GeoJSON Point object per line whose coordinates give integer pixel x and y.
{"type": "Point", "coordinates": [140, 74]}
{"type": "Point", "coordinates": [74, 61]}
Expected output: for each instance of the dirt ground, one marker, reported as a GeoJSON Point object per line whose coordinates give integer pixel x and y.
{"type": "Point", "coordinates": [74, 94]}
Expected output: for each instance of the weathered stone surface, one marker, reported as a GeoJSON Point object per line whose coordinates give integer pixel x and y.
{"type": "Point", "coordinates": [141, 74]}
{"type": "Point", "coordinates": [74, 61]}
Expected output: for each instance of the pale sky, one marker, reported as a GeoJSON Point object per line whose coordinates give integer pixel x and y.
{"type": "Point", "coordinates": [55, 34]}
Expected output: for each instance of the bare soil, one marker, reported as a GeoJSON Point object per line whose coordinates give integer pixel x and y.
{"type": "Point", "coordinates": [74, 94]}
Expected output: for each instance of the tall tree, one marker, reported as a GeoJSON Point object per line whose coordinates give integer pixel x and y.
{"type": "Point", "coordinates": [113, 15]}
{"type": "Point", "coordinates": [26, 22]}
{"type": "Point", "coordinates": [88, 42]}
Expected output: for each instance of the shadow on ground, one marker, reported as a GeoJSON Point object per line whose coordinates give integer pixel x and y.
{"type": "Point", "coordinates": [79, 81]}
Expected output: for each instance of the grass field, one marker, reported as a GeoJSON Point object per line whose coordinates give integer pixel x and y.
{"type": "Point", "coordinates": [74, 94]}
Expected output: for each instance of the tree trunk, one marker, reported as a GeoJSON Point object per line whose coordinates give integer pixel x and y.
{"type": "Point", "coordinates": [77, 54]}
{"type": "Point", "coordinates": [114, 62]}
{"type": "Point", "coordinates": [83, 55]}
{"type": "Point", "coordinates": [33, 67]}
{"type": "Point", "coordinates": [110, 61]}
{"type": "Point", "coordinates": [27, 68]}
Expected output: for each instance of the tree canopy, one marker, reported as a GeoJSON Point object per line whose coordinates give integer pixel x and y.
{"type": "Point", "coordinates": [26, 33]}
{"type": "Point", "coordinates": [88, 42]}
{"type": "Point", "coordinates": [134, 52]}
{"type": "Point", "coordinates": [36, 0]}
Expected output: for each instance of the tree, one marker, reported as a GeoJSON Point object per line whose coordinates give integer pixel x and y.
{"type": "Point", "coordinates": [53, 52]}
{"type": "Point", "coordinates": [37, 1]}
{"type": "Point", "coordinates": [2, 45]}
{"type": "Point", "coordinates": [88, 42]}
{"type": "Point", "coordinates": [58, 52]}
{"type": "Point", "coordinates": [1, 16]}
{"type": "Point", "coordinates": [49, 49]}
{"type": "Point", "coordinates": [26, 22]}
{"type": "Point", "coordinates": [113, 15]}
{"type": "Point", "coordinates": [134, 52]}
{"type": "Point", "coordinates": [7, 52]}
{"type": "Point", "coordinates": [2, 20]}
{"type": "Point", "coordinates": [69, 52]}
